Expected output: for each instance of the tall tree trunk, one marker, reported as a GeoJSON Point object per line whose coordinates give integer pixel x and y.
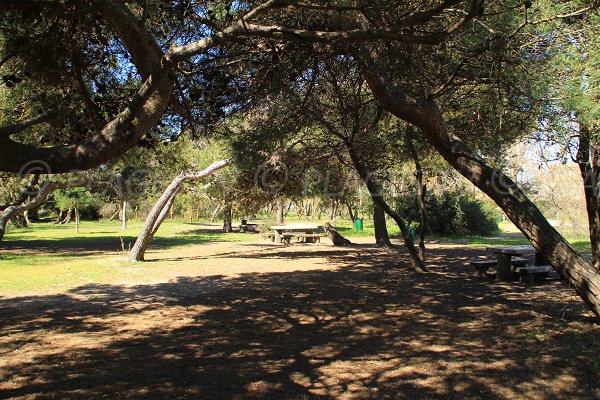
{"type": "Point", "coordinates": [421, 191]}
{"type": "Point", "coordinates": [582, 275]}
{"type": "Point", "coordinates": [382, 237]}
{"type": "Point", "coordinates": [588, 159]}
{"type": "Point", "coordinates": [162, 207]}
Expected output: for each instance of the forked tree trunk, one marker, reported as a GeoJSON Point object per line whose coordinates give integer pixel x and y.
{"type": "Point", "coordinates": [498, 186]}
{"type": "Point", "coordinates": [162, 207]}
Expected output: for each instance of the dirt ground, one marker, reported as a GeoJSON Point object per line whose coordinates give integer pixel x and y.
{"type": "Point", "coordinates": [264, 321]}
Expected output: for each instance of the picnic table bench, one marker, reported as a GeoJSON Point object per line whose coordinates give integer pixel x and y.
{"type": "Point", "coordinates": [285, 233]}
{"type": "Point", "coordinates": [529, 274]}
{"type": "Point", "coordinates": [482, 266]}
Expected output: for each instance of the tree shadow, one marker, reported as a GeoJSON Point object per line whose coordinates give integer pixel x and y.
{"type": "Point", "coordinates": [363, 330]}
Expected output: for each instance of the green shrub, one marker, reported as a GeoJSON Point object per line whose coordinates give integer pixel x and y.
{"type": "Point", "coordinates": [451, 214]}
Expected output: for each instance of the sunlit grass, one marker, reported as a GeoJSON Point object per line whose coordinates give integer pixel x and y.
{"type": "Point", "coordinates": [63, 269]}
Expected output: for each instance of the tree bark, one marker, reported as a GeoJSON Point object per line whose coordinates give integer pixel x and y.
{"type": "Point", "coordinates": [421, 192]}
{"type": "Point", "coordinates": [382, 237]}
{"type": "Point", "coordinates": [124, 214]}
{"type": "Point", "coordinates": [162, 207]}
{"type": "Point", "coordinates": [498, 186]}
{"type": "Point", "coordinates": [67, 217]}
{"type": "Point", "coordinates": [60, 216]}
{"type": "Point", "coordinates": [350, 212]}
{"type": "Point", "coordinates": [336, 238]}
{"type": "Point", "coordinates": [76, 221]}
{"type": "Point", "coordinates": [588, 159]}
{"type": "Point", "coordinates": [227, 228]}
{"type": "Point", "coordinates": [376, 196]}
{"type": "Point", "coordinates": [126, 128]}
{"type": "Point", "coordinates": [280, 212]}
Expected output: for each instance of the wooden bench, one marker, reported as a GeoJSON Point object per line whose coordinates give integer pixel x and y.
{"type": "Point", "coordinates": [481, 266]}
{"type": "Point", "coordinates": [519, 261]}
{"type": "Point", "coordinates": [529, 274]}
{"type": "Point", "coordinates": [309, 237]}
{"type": "Point", "coordinates": [287, 237]}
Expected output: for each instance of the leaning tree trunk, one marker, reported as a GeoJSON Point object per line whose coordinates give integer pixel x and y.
{"type": "Point", "coordinates": [374, 189]}
{"type": "Point", "coordinates": [499, 187]}
{"type": "Point", "coordinates": [336, 238]}
{"type": "Point", "coordinates": [161, 208]}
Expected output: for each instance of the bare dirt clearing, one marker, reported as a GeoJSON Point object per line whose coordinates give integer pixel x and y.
{"type": "Point", "coordinates": [257, 320]}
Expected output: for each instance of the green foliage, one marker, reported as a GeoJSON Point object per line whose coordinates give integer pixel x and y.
{"type": "Point", "coordinates": [79, 198]}
{"type": "Point", "coordinates": [452, 214]}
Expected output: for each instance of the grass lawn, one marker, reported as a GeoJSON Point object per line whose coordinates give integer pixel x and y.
{"type": "Point", "coordinates": [52, 258]}
{"type": "Point", "coordinates": [48, 257]}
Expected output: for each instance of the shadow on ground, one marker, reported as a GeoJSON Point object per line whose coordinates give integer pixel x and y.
{"type": "Point", "coordinates": [362, 331]}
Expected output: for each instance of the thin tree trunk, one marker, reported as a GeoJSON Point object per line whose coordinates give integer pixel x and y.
{"type": "Point", "coordinates": [216, 211]}
{"type": "Point", "coordinates": [162, 207]}
{"type": "Point", "coordinates": [421, 192]}
{"type": "Point", "coordinates": [581, 274]}
{"type": "Point", "coordinates": [124, 221]}
{"type": "Point", "coordinates": [76, 221]}
{"type": "Point", "coordinates": [350, 212]}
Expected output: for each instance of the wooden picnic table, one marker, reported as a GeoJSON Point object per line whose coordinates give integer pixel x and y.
{"type": "Point", "coordinates": [504, 255]}
{"type": "Point", "coordinates": [281, 230]}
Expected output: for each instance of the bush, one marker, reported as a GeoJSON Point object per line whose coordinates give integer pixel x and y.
{"type": "Point", "coordinates": [451, 214]}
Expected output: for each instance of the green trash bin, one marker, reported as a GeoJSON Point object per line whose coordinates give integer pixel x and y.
{"type": "Point", "coordinates": [358, 224]}
{"type": "Point", "coordinates": [412, 233]}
